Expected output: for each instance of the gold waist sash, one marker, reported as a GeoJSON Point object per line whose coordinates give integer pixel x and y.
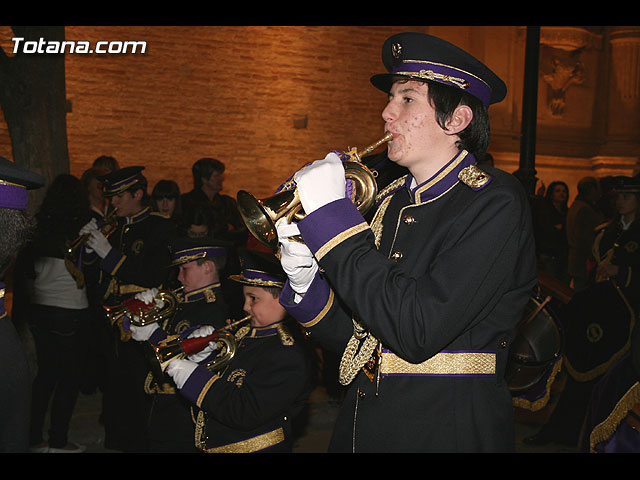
{"type": "Point", "coordinates": [443, 363]}
{"type": "Point", "coordinates": [250, 445]}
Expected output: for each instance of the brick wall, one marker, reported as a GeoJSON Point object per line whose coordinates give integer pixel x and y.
{"type": "Point", "coordinates": [230, 92]}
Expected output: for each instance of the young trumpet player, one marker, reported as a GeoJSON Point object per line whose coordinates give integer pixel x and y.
{"type": "Point", "coordinates": [131, 260]}
{"type": "Point", "coordinates": [423, 302]}
{"type": "Point", "coordinates": [250, 404]}
{"type": "Point", "coordinates": [201, 310]}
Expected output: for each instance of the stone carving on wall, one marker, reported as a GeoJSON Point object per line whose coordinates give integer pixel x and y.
{"type": "Point", "coordinates": [562, 64]}
{"type": "Point", "coordinates": [567, 70]}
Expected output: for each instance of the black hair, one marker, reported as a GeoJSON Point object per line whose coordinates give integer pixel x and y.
{"type": "Point", "coordinates": [166, 189]}
{"type": "Point", "coordinates": [107, 162]}
{"type": "Point", "coordinates": [64, 210]}
{"type": "Point", "coordinates": [445, 99]}
{"type": "Point", "coordinates": [203, 168]}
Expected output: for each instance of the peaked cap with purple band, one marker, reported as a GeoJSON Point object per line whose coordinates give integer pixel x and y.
{"type": "Point", "coordinates": [14, 183]}
{"type": "Point", "coordinates": [185, 249]}
{"type": "Point", "coordinates": [419, 56]}
{"type": "Point", "coordinates": [259, 270]}
{"type": "Point", "coordinates": [121, 180]}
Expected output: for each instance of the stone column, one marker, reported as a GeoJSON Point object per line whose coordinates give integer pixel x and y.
{"type": "Point", "coordinates": [623, 113]}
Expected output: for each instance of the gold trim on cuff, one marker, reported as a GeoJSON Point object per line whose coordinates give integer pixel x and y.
{"type": "Point", "coordinates": [341, 237]}
{"type": "Point", "coordinates": [322, 313]}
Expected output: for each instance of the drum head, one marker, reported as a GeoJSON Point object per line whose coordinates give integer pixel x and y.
{"type": "Point", "coordinates": [535, 348]}
{"type": "Point", "coordinates": [599, 330]}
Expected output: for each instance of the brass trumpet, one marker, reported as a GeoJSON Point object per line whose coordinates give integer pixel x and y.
{"type": "Point", "coordinates": [260, 216]}
{"type": "Point", "coordinates": [106, 225]}
{"type": "Point", "coordinates": [142, 314]}
{"type": "Point", "coordinates": [159, 356]}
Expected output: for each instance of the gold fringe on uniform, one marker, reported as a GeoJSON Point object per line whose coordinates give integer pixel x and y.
{"type": "Point", "coordinates": [604, 430]}
{"type": "Point", "coordinates": [542, 401]}
{"type": "Point", "coordinates": [355, 356]}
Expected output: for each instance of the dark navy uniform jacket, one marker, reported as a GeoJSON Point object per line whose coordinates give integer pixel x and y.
{"type": "Point", "coordinates": [139, 257]}
{"type": "Point", "coordinates": [250, 405]}
{"type": "Point", "coordinates": [622, 248]}
{"type": "Point", "coordinates": [171, 419]}
{"type": "Point", "coordinates": [441, 279]}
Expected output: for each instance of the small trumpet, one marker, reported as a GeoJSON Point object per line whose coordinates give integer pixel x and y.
{"type": "Point", "coordinates": [106, 225]}
{"type": "Point", "coordinates": [159, 356]}
{"type": "Point", "coordinates": [142, 314]}
{"type": "Point", "coordinates": [260, 216]}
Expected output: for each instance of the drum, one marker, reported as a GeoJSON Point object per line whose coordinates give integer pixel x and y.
{"type": "Point", "coordinates": [599, 324]}
{"type": "Point", "coordinates": [536, 347]}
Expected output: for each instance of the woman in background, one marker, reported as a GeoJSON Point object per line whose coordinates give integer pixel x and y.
{"type": "Point", "coordinates": [57, 312]}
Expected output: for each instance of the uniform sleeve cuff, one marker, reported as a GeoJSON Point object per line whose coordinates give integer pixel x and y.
{"type": "Point", "coordinates": [198, 384]}
{"type": "Point", "coordinates": [330, 225]}
{"type": "Point", "coordinates": [112, 262]}
{"type": "Point", "coordinates": [313, 306]}
{"type": "Point", "coordinates": [157, 336]}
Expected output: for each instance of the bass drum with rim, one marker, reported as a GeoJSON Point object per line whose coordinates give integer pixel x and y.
{"type": "Point", "coordinates": [536, 347]}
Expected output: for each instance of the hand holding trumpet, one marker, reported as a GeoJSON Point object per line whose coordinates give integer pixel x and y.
{"type": "Point", "coordinates": [296, 259]}
{"type": "Point", "coordinates": [96, 240]}
{"type": "Point", "coordinates": [321, 183]}
{"type": "Point", "coordinates": [143, 333]}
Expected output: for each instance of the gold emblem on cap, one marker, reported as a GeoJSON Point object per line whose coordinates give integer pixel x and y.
{"type": "Point", "coordinates": [396, 50]}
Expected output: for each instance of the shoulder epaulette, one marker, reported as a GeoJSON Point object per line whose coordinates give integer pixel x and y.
{"type": "Point", "coordinates": [474, 177]}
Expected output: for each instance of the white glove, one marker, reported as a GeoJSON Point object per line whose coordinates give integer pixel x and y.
{"type": "Point", "coordinates": [297, 260]}
{"type": "Point", "coordinates": [142, 334]}
{"type": "Point", "coordinates": [149, 297]}
{"type": "Point", "coordinates": [98, 242]}
{"type": "Point", "coordinates": [180, 370]}
{"type": "Point", "coordinates": [321, 183]}
{"type": "Point", "coordinates": [203, 331]}
{"type": "Point", "coordinates": [91, 225]}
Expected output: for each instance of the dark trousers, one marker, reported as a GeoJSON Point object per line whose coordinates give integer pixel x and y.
{"type": "Point", "coordinates": [60, 337]}
{"type": "Point", "coordinates": [125, 403]}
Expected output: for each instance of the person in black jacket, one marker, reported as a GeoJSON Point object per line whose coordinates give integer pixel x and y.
{"type": "Point", "coordinates": [250, 404]}
{"type": "Point", "coordinates": [200, 309]}
{"type": "Point", "coordinates": [423, 302]}
{"type": "Point", "coordinates": [226, 222]}
{"type": "Point", "coordinates": [130, 260]}
{"type": "Point", "coordinates": [599, 319]}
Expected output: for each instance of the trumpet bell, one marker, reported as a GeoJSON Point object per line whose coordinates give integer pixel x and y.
{"type": "Point", "coordinates": [260, 216]}
{"type": "Point", "coordinates": [141, 314]}
{"type": "Point", "coordinates": [363, 186]}
{"type": "Point", "coordinates": [159, 357]}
